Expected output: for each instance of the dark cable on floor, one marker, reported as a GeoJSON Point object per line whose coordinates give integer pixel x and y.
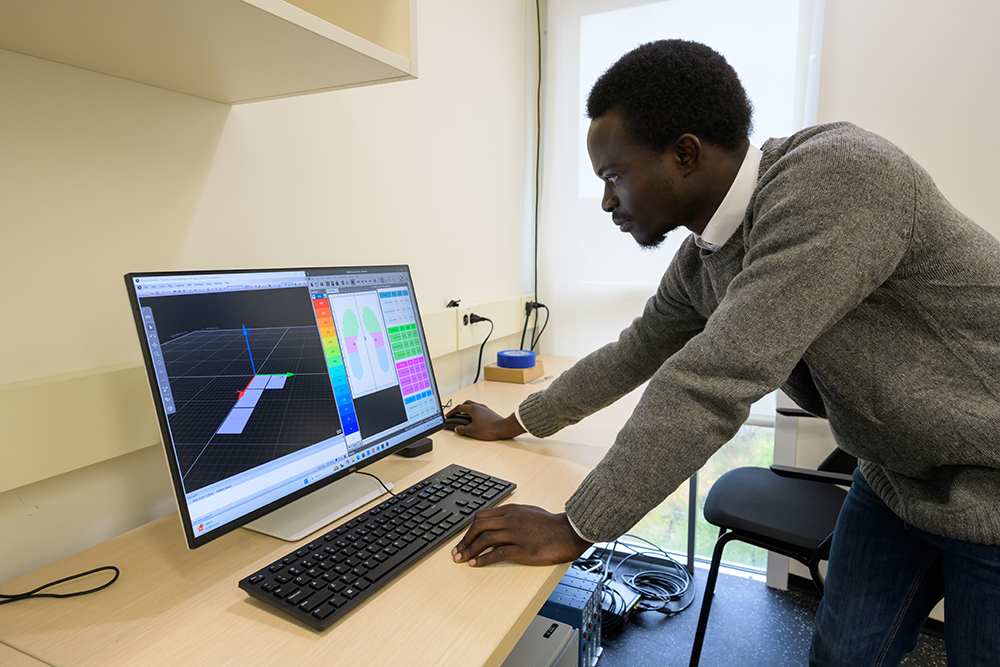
{"type": "Point", "coordinates": [35, 594]}
{"type": "Point", "coordinates": [658, 588]}
{"type": "Point", "coordinates": [613, 615]}
{"type": "Point", "coordinates": [473, 318]}
{"type": "Point", "coordinates": [387, 490]}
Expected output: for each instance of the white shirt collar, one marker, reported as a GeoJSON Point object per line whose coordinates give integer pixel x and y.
{"type": "Point", "coordinates": [730, 213]}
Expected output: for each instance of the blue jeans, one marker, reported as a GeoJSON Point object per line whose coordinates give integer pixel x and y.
{"type": "Point", "coordinates": [886, 575]}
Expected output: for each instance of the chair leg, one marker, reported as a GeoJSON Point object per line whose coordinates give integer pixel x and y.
{"type": "Point", "coordinates": [822, 553]}
{"type": "Point", "coordinates": [706, 602]}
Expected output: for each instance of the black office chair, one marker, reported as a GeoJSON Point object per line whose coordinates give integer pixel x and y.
{"type": "Point", "coordinates": [790, 511]}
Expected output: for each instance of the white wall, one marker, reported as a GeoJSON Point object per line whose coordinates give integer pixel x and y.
{"type": "Point", "coordinates": [100, 176]}
{"type": "Point", "coordinates": [922, 73]}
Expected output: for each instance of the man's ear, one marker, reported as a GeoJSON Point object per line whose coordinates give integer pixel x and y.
{"type": "Point", "coordinates": [686, 153]}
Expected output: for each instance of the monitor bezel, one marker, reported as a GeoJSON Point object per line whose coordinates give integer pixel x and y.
{"type": "Point", "coordinates": [194, 540]}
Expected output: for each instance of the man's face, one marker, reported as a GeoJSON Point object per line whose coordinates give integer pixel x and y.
{"type": "Point", "coordinates": [641, 186]}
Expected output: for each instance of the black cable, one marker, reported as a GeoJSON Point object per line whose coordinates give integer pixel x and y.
{"type": "Point", "coordinates": [529, 307]}
{"type": "Point", "coordinates": [524, 329]}
{"type": "Point", "coordinates": [658, 588]}
{"type": "Point", "coordinates": [473, 318]}
{"type": "Point", "coordinates": [35, 594]}
{"type": "Point", "coordinates": [538, 144]}
{"type": "Point", "coordinates": [389, 491]}
{"type": "Point", "coordinates": [537, 338]}
{"type": "Point", "coordinates": [612, 616]}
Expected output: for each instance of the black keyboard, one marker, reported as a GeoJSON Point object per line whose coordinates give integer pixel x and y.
{"type": "Point", "coordinates": [321, 582]}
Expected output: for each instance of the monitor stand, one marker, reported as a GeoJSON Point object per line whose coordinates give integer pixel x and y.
{"type": "Point", "coordinates": [310, 513]}
{"type": "Point", "coordinates": [419, 447]}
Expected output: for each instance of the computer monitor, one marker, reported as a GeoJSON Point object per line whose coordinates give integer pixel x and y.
{"type": "Point", "coordinates": [273, 386]}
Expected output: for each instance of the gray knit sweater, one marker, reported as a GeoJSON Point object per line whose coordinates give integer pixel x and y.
{"type": "Point", "coordinates": [853, 285]}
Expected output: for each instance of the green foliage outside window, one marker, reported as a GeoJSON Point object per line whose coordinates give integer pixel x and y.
{"type": "Point", "coordinates": [667, 525]}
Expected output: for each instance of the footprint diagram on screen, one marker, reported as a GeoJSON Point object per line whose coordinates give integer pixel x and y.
{"type": "Point", "coordinates": [351, 333]}
{"type": "Point", "coordinates": [374, 328]}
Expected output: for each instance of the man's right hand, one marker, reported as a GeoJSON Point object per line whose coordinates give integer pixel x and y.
{"type": "Point", "coordinates": [486, 424]}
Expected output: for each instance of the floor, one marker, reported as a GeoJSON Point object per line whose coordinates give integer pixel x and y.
{"type": "Point", "coordinates": [750, 624]}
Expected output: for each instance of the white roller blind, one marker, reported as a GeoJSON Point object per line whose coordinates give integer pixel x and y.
{"type": "Point", "coordinates": [594, 279]}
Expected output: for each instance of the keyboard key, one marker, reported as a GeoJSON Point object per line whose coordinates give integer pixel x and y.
{"type": "Point", "coordinates": [315, 600]}
{"type": "Point", "coordinates": [324, 611]}
{"type": "Point", "coordinates": [298, 595]}
{"type": "Point", "coordinates": [282, 592]}
{"type": "Point", "coordinates": [394, 561]}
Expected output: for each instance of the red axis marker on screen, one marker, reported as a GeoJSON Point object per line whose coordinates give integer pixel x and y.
{"type": "Point", "coordinates": [239, 394]}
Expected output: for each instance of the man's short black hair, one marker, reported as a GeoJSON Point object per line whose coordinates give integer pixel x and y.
{"type": "Point", "coordinates": [667, 88]}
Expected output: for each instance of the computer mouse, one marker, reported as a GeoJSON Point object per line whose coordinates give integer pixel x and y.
{"type": "Point", "coordinates": [457, 419]}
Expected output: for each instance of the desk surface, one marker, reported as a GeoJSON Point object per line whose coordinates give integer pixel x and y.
{"type": "Point", "coordinates": [11, 658]}
{"type": "Point", "coordinates": [173, 606]}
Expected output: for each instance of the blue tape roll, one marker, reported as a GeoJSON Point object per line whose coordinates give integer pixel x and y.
{"type": "Point", "coordinates": [515, 359]}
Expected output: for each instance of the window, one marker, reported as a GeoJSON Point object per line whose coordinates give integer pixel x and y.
{"type": "Point", "coordinates": [593, 279]}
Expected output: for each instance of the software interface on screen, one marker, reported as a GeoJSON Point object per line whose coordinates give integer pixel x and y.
{"type": "Point", "coordinates": [272, 381]}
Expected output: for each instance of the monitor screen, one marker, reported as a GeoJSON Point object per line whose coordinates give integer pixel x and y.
{"type": "Point", "coordinates": [272, 384]}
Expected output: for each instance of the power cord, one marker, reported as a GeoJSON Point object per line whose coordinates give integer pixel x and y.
{"type": "Point", "coordinates": [538, 145]}
{"type": "Point", "coordinates": [534, 343]}
{"type": "Point", "coordinates": [387, 490]}
{"type": "Point", "coordinates": [529, 307]}
{"type": "Point", "coordinates": [35, 594]}
{"type": "Point", "coordinates": [473, 318]}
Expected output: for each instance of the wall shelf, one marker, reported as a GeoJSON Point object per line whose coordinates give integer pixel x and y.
{"type": "Point", "coordinates": [229, 51]}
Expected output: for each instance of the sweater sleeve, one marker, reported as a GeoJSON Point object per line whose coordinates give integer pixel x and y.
{"type": "Point", "coordinates": [830, 222]}
{"type": "Point", "coordinates": [602, 377]}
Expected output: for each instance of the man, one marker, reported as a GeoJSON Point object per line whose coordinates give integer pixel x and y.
{"type": "Point", "coordinates": [826, 264]}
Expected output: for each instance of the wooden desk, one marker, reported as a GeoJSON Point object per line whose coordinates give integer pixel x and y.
{"type": "Point", "coordinates": [173, 606]}
{"type": "Point", "coordinates": [11, 658]}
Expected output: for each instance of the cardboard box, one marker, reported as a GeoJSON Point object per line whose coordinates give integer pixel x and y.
{"type": "Point", "coordinates": [516, 375]}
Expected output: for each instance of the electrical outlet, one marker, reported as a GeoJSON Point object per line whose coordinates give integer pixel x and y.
{"type": "Point", "coordinates": [507, 315]}
{"type": "Point", "coordinates": [466, 332]}
{"type": "Point", "coordinates": [524, 302]}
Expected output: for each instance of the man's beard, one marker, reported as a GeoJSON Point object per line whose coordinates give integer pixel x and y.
{"type": "Point", "coordinates": [651, 244]}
